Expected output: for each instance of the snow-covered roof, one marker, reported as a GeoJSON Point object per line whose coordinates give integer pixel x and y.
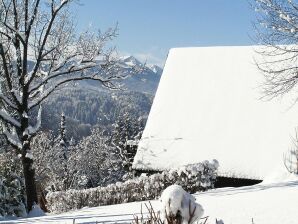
{"type": "Point", "coordinates": [208, 106]}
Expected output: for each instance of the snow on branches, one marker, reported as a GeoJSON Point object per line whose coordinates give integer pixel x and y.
{"type": "Point", "coordinates": [277, 30]}
{"type": "Point", "coordinates": [90, 163]}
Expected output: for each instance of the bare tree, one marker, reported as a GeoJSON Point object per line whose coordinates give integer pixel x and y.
{"type": "Point", "coordinates": [277, 30]}
{"type": "Point", "coordinates": [39, 53]}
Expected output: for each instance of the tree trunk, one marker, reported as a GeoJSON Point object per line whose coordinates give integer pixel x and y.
{"type": "Point", "coordinates": [27, 161]}
{"type": "Point", "coordinates": [29, 175]}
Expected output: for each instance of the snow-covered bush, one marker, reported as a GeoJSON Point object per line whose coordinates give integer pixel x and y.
{"type": "Point", "coordinates": [12, 200]}
{"type": "Point", "coordinates": [92, 162]}
{"type": "Point", "coordinates": [179, 206]}
{"type": "Point", "coordinates": [36, 211]}
{"type": "Point", "coordinates": [95, 161]}
{"type": "Point", "coordinates": [188, 176]}
{"type": "Point", "coordinates": [195, 177]}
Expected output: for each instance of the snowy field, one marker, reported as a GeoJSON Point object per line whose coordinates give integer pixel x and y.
{"type": "Point", "coordinates": [265, 203]}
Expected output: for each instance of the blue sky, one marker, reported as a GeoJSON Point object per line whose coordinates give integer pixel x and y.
{"type": "Point", "coordinates": [149, 28]}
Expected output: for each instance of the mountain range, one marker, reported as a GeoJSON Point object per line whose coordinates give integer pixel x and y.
{"type": "Point", "coordinates": [145, 82]}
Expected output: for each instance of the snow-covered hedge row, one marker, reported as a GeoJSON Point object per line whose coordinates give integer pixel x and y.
{"type": "Point", "coordinates": [195, 177]}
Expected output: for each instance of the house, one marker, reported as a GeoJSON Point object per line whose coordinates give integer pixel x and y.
{"type": "Point", "coordinates": [208, 106]}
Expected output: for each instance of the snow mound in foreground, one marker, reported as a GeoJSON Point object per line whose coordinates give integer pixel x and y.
{"type": "Point", "coordinates": [36, 212]}
{"type": "Point", "coordinates": [175, 201]}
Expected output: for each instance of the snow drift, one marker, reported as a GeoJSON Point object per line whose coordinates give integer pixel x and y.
{"type": "Point", "coordinates": [208, 106]}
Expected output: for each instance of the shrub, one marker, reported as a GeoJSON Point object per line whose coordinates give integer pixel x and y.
{"type": "Point", "coordinates": [195, 177]}
{"type": "Point", "coordinates": [154, 217]}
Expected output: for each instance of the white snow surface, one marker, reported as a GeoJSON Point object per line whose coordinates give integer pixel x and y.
{"type": "Point", "coordinates": [174, 199]}
{"type": "Point", "coordinates": [29, 155]}
{"type": "Point", "coordinates": [208, 106]}
{"type": "Point", "coordinates": [36, 212]}
{"type": "Point", "coordinates": [270, 203]}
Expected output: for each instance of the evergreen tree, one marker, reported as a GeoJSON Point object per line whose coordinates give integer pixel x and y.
{"type": "Point", "coordinates": [62, 132]}
{"type": "Point", "coordinates": [61, 150]}
{"type": "Point", "coordinates": [52, 157]}
{"type": "Point", "coordinates": [61, 142]}
{"type": "Point", "coordinates": [12, 200]}
{"type": "Point", "coordinates": [126, 134]}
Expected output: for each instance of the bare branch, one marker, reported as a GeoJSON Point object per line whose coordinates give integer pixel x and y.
{"type": "Point", "coordinates": [33, 17]}
{"type": "Point", "coordinates": [8, 101]}
{"type": "Point", "coordinates": [7, 75]}
{"type": "Point", "coordinates": [45, 38]}
{"type": "Point", "coordinates": [277, 29]}
{"type": "Point", "coordinates": [8, 119]}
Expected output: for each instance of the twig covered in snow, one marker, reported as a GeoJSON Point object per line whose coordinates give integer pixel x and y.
{"type": "Point", "coordinates": [276, 29]}
{"type": "Point", "coordinates": [9, 119]}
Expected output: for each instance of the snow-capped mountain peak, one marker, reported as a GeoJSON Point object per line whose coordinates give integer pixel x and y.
{"type": "Point", "coordinates": [155, 69]}
{"type": "Point", "coordinates": [131, 61]}
{"type": "Point", "coordinates": [146, 81]}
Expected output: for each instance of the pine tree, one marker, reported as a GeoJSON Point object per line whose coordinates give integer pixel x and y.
{"type": "Point", "coordinates": [126, 134]}
{"type": "Point", "coordinates": [52, 157]}
{"type": "Point", "coordinates": [62, 132]}
{"type": "Point", "coordinates": [61, 148]}
{"type": "Point", "coordinates": [62, 142]}
{"type": "Point", "coordinates": [12, 200]}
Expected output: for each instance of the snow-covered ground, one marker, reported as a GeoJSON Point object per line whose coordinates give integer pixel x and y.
{"type": "Point", "coordinates": [270, 202]}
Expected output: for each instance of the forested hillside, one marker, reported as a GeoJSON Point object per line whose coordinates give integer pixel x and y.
{"type": "Point", "coordinates": [86, 108]}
